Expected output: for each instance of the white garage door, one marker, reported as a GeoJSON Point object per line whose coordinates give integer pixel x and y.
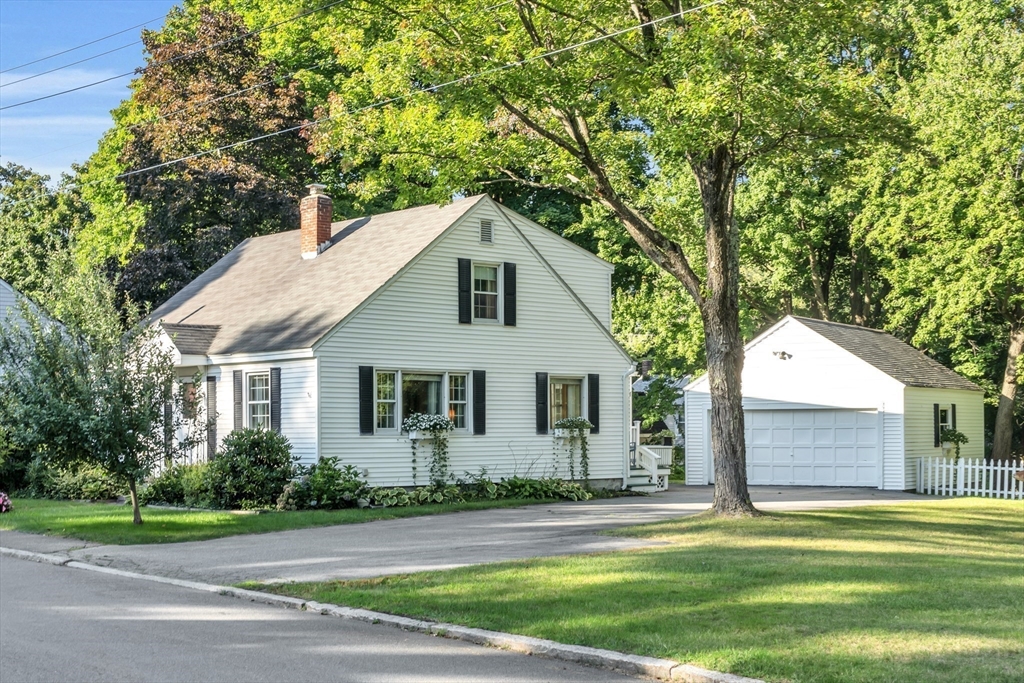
{"type": "Point", "coordinates": [812, 447]}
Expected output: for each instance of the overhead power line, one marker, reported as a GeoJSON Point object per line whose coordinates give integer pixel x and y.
{"type": "Point", "coordinates": [179, 57]}
{"type": "Point", "coordinates": [67, 66]}
{"type": "Point", "coordinates": [399, 98]}
{"type": "Point", "coordinates": [79, 47]}
{"type": "Point", "coordinates": [432, 88]}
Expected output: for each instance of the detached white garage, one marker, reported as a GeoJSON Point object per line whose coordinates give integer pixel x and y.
{"type": "Point", "coordinates": [828, 404]}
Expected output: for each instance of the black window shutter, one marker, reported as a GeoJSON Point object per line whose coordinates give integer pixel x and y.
{"type": "Point", "coordinates": [237, 375]}
{"type": "Point", "coordinates": [366, 399]}
{"type": "Point", "coordinates": [479, 402]}
{"type": "Point", "coordinates": [465, 291]}
{"type": "Point", "coordinates": [935, 422]}
{"type": "Point", "coordinates": [542, 403]}
{"type": "Point", "coordinates": [952, 416]}
{"type": "Point", "coordinates": [510, 294]}
{"type": "Point", "coordinates": [594, 402]}
{"type": "Point", "coordinates": [211, 415]}
{"type": "Point", "coordinates": [275, 399]}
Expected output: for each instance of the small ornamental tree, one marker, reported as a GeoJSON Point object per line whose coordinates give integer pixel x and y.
{"type": "Point", "coordinates": [91, 389]}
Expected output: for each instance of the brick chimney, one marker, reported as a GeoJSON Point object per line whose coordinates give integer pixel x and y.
{"type": "Point", "coordinates": [315, 220]}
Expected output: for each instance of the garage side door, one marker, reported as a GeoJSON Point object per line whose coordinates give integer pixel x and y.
{"type": "Point", "coordinates": [812, 447]}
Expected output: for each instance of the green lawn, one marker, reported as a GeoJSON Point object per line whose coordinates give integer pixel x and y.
{"type": "Point", "coordinates": [105, 523]}
{"type": "Point", "coordinates": [930, 591]}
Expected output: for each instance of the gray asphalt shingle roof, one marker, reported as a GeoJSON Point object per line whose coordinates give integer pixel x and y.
{"type": "Point", "coordinates": [890, 355]}
{"type": "Point", "coordinates": [263, 296]}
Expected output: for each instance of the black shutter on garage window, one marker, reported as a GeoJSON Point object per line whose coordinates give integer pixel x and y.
{"type": "Point", "coordinates": [275, 399]}
{"type": "Point", "coordinates": [935, 423]}
{"type": "Point", "coordinates": [465, 291]}
{"type": "Point", "coordinates": [366, 399]}
{"type": "Point", "coordinates": [237, 376]}
{"type": "Point", "coordinates": [479, 402]}
{"type": "Point", "coordinates": [211, 415]}
{"type": "Point", "coordinates": [510, 294]}
{"type": "Point", "coordinates": [594, 402]}
{"type": "Point", "coordinates": [542, 403]}
{"type": "Point", "coordinates": [952, 416]}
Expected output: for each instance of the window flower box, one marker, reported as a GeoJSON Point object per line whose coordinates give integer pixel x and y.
{"type": "Point", "coordinates": [418, 435]}
{"type": "Point", "coordinates": [562, 433]}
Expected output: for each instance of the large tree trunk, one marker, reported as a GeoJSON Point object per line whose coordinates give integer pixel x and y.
{"type": "Point", "coordinates": [136, 513]}
{"type": "Point", "coordinates": [1003, 439]}
{"type": "Point", "coordinates": [716, 177]}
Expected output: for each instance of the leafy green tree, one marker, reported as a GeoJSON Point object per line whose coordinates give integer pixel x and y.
{"type": "Point", "coordinates": [947, 214]}
{"type": "Point", "coordinates": [198, 209]}
{"type": "Point", "coordinates": [89, 390]}
{"type": "Point", "coordinates": [35, 222]}
{"type": "Point", "coordinates": [631, 122]}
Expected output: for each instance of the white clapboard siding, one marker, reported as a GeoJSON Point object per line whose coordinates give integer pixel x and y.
{"type": "Point", "coordinates": [412, 325]}
{"type": "Point", "coordinates": [969, 477]}
{"type": "Point", "coordinates": [920, 424]}
{"type": "Point", "coordinates": [586, 274]}
{"type": "Point", "coordinates": [298, 402]}
{"type": "Point", "coordinates": [10, 303]}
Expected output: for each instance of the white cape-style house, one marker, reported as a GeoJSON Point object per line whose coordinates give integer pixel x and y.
{"type": "Point", "coordinates": [334, 333]}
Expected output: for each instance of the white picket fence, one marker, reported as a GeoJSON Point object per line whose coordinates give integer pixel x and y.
{"type": "Point", "coordinates": [969, 477]}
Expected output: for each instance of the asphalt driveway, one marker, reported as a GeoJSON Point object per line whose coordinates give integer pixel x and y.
{"type": "Point", "coordinates": [436, 542]}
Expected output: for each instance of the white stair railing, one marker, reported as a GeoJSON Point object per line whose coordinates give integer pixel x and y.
{"type": "Point", "coordinates": [650, 461]}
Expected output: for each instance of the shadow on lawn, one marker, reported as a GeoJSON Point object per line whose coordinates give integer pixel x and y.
{"type": "Point", "coordinates": [869, 594]}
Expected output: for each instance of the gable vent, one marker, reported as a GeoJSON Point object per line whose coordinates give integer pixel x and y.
{"type": "Point", "coordinates": [486, 232]}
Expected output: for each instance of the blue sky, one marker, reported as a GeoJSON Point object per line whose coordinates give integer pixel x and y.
{"type": "Point", "coordinates": [49, 136]}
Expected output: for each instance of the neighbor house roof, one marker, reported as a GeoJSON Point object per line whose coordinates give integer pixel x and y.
{"type": "Point", "coordinates": [263, 296]}
{"type": "Point", "coordinates": [895, 358]}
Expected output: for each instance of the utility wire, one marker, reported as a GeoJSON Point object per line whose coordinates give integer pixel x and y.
{"type": "Point", "coordinates": [79, 47]}
{"type": "Point", "coordinates": [242, 91]}
{"type": "Point", "coordinates": [432, 88]}
{"type": "Point", "coordinates": [59, 68]}
{"type": "Point", "coordinates": [179, 57]}
{"type": "Point", "coordinates": [399, 98]}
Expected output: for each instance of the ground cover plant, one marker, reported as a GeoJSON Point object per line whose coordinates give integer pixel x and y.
{"type": "Point", "coordinates": [108, 523]}
{"type": "Point", "coordinates": [929, 591]}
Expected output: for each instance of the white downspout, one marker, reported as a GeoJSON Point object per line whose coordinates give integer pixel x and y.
{"type": "Point", "coordinates": [627, 420]}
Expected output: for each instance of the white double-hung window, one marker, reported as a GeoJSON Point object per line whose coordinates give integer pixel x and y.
{"type": "Point", "coordinates": [485, 292]}
{"type": "Point", "coordinates": [458, 396]}
{"type": "Point", "coordinates": [387, 399]}
{"type": "Point", "coordinates": [566, 398]}
{"type": "Point", "coordinates": [259, 399]}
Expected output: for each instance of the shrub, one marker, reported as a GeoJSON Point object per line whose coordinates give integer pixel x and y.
{"type": "Point", "coordinates": [251, 470]}
{"type": "Point", "coordinates": [186, 485]}
{"type": "Point", "coordinates": [71, 482]}
{"type": "Point", "coordinates": [324, 486]}
{"type": "Point", "coordinates": [14, 464]}
{"type": "Point", "coordinates": [518, 487]}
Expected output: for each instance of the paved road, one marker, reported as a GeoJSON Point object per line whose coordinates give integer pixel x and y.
{"type": "Point", "coordinates": [64, 624]}
{"type": "Point", "coordinates": [435, 542]}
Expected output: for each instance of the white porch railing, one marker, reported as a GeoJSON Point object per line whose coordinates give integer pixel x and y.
{"type": "Point", "coordinates": [970, 477]}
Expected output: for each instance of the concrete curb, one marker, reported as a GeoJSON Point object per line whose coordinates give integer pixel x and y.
{"type": "Point", "coordinates": [45, 558]}
{"type": "Point", "coordinates": [661, 669]}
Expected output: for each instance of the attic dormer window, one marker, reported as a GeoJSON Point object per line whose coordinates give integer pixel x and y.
{"type": "Point", "coordinates": [486, 232]}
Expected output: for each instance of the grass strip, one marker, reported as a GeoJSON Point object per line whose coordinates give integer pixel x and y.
{"type": "Point", "coordinates": [930, 591]}
{"type": "Point", "coordinates": [112, 524]}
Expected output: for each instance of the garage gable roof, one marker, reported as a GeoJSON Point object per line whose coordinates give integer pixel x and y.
{"type": "Point", "coordinates": [899, 360]}
{"type": "Point", "coordinates": [879, 349]}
